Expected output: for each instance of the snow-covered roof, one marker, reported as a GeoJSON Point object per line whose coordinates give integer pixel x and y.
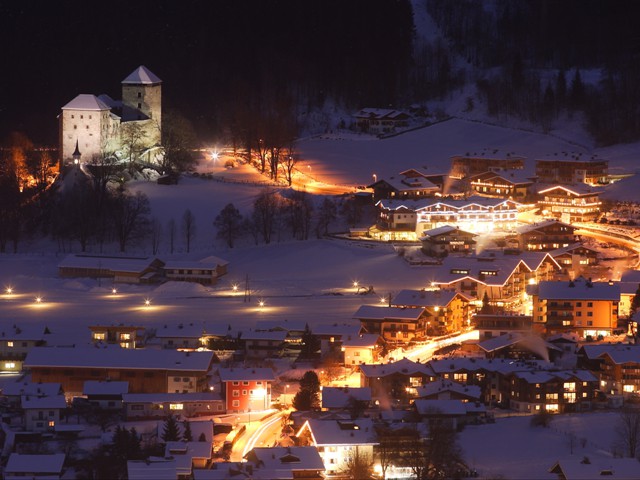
{"type": "Point", "coordinates": [274, 336]}
{"type": "Point", "coordinates": [541, 225]}
{"type": "Point", "coordinates": [335, 329]}
{"type": "Point", "coordinates": [434, 232]}
{"type": "Point", "coordinates": [38, 465]}
{"type": "Point", "coordinates": [377, 312]}
{"type": "Point", "coordinates": [170, 397]}
{"type": "Point", "coordinates": [487, 270]}
{"type": "Point", "coordinates": [532, 342]}
{"type": "Point", "coordinates": [181, 330]}
{"type": "Point", "coordinates": [26, 387]}
{"type": "Point", "coordinates": [143, 76]}
{"type": "Point", "coordinates": [404, 367]}
{"type": "Point", "coordinates": [342, 432]}
{"type": "Point", "coordinates": [423, 298]}
{"type": "Point", "coordinates": [23, 332]}
{"type": "Point", "coordinates": [339, 397]}
{"type": "Point", "coordinates": [444, 385]}
{"type": "Point", "coordinates": [286, 458]}
{"type": "Point", "coordinates": [86, 101]}
{"type": "Point", "coordinates": [115, 264]}
{"type": "Point", "coordinates": [623, 354]}
{"type": "Point", "coordinates": [284, 325]}
{"type": "Point", "coordinates": [28, 402]}
{"type": "Point", "coordinates": [577, 190]}
{"type": "Point", "coordinates": [381, 113]}
{"type": "Point", "coordinates": [153, 468]}
{"type": "Point", "coordinates": [125, 358]}
{"type": "Point", "coordinates": [94, 387]}
{"type": "Point", "coordinates": [575, 468]}
{"type": "Point", "coordinates": [578, 289]}
{"type": "Point", "coordinates": [363, 340]}
{"type": "Point", "coordinates": [191, 449]}
{"type": "Point", "coordinates": [246, 374]}
{"type": "Point", "coordinates": [446, 407]}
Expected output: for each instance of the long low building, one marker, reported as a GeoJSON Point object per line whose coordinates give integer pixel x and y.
{"type": "Point", "coordinates": [147, 371]}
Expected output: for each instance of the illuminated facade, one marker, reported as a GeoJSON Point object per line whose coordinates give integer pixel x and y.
{"type": "Point", "coordinates": [100, 124]}
{"type": "Point", "coordinates": [444, 240]}
{"type": "Point", "coordinates": [247, 389]}
{"type": "Point", "coordinates": [570, 204]}
{"type": "Point", "coordinates": [504, 185]}
{"type": "Point", "coordinates": [581, 306]}
{"type": "Point", "coordinates": [465, 165]}
{"type": "Point", "coordinates": [621, 370]}
{"type": "Point", "coordinates": [572, 171]}
{"type": "Point", "coordinates": [546, 236]}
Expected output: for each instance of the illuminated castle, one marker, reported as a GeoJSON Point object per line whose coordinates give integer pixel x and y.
{"type": "Point", "coordinates": [100, 125]}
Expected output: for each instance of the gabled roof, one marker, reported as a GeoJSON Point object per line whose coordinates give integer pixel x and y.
{"type": "Point", "coordinates": [274, 336]}
{"type": "Point", "coordinates": [116, 357]}
{"type": "Point", "coordinates": [341, 432]}
{"type": "Point", "coordinates": [246, 374]}
{"type": "Point", "coordinates": [574, 468]}
{"type": "Point", "coordinates": [542, 225]}
{"type": "Point", "coordinates": [435, 232]}
{"type": "Point", "coordinates": [361, 341]}
{"type": "Point", "coordinates": [570, 248]}
{"type": "Point", "coordinates": [339, 397]}
{"type": "Point", "coordinates": [443, 385]}
{"type": "Point", "coordinates": [533, 342]}
{"type": "Point", "coordinates": [424, 298]}
{"type": "Point", "coordinates": [86, 101]}
{"type": "Point", "coordinates": [446, 407]}
{"type": "Point", "coordinates": [142, 75]}
{"type": "Point", "coordinates": [627, 354]}
{"type": "Point", "coordinates": [404, 367]}
{"type": "Point", "coordinates": [38, 464]}
{"type": "Point", "coordinates": [578, 289]}
{"type": "Point", "coordinates": [375, 312]}
{"type": "Point", "coordinates": [181, 330]}
{"type": "Point", "coordinates": [577, 190]}
{"type": "Point", "coordinates": [26, 387]}
{"type": "Point", "coordinates": [289, 458]}
{"type": "Point", "coordinates": [28, 402]}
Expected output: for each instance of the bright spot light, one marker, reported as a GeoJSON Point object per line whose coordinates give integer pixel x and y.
{"type": "Point", "coordinates": [234, 287]}
{"type": "Point", "coordinates": [38, 299]}
{"type": "Point", "coordinates": [215, 156]}
{"type": "Point", "coordinates": [355, 284]}
{"type": "Point", "coordinates": [9, 290]}
{"type": "Point", "coordinates": [147, 302]}
{"type": "Point", "coordinates": [261, 303]}
{"type": "Point", "coordinates": [114, 290]}
{"type": "Point", "coordinates": [382, 300]}
{"type": "Point", "coordinates": [532, 281]}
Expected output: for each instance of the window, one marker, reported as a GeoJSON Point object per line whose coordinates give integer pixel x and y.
{"type": "Point", "coordinates": [125, 336]}
{"type": "Point", "coordinates": [589, 314]}
{"type": "Point", "coordinates": [589, 304]}
{"type": "Point", "coordinates": [245, 383]}
{"type": "Point", "coordinates": [235, 403]}
{"type": "Point", "coordinates": [236, 393]}
{"type": "Point", "coordinates": [10, 344]}
{"type": "Point", "coordinates": [176, 406]}
{"type": "Point", "coordinates": [137, 407]}
{"type": "Point", "coordinates": [244, 392]}
{"type": "Point", "coordinates": [9, 365]}
{"type": "Point", "coordinates": [98, 336]}
{"type": "Point", "coordinates": [52, 424]}
{"type": "Point", "coordinates": [139, 105]}
{"type": "Point", "coordinates": [235, 384]}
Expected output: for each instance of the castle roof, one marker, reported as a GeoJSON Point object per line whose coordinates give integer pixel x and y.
{"type": "Point", "coordinates": [142, 75]}
{"type": "Point", "coordinates": [86, 101]}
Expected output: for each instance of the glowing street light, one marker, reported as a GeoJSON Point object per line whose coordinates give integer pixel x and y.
{"type": "Point", "coordinates": [38, 299]}
{"type": "Point", "coordinates": [9, 290]}
{"type": "Point", "coordinates": [114, 291]}
{"type": "Point", "coordinates": [375, 178]}
{"type": "Point", "coordinates": [214, 156]}
{"type": "Point", "coordinates": [261, 303]}
{"type": "Point", "coordinates": [234, 287]}
{"type": "Point", "coordinates": [147, 302]}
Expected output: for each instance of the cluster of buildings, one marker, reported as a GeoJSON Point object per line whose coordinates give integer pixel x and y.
{"type": "Point", "coordinates": [482, 194]}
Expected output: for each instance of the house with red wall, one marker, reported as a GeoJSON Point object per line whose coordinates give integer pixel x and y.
{"type": "Point", "coordinates": [246, 389]}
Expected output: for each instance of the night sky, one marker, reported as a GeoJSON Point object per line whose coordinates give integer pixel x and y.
{"type": "Point", "coordinates": [202, 50]}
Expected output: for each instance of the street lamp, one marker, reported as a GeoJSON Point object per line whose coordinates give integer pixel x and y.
{"type": "Point", "coordinates": [375, 178]}
{"type": "Point", "coordinates": [9, 290]}
{"type": "Point", "coordinates": [114, 290]}
{"type": "Point", "coordinates": [147, 302]}
{"type": "Point", "coordinates": [286, 391]}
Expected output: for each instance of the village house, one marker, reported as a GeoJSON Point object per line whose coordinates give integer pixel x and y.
{"type": "Point", "coordinates": [469, 165]}
{"type": "Point", "coordinates": [284, 463]}
{"type": "Point", "coordinates": [42, 413]}
{"type": "Point", "coordinates": [188, 336]}
{"type": "Point", "coordinates": [205, 271]}
{"type": "Point", "coordinates": [546, 236]}
{"type": "Point", "coordinates": [587, 308]}
{"type": "Point", "coordinates": [575, 259]}
{"type": "Point", "coordinates": [491, 325]}
{"type": "Point", "coordinates": [105, 395]}
{"type": "Point", "coordinates": [263, 344]}
{"type": "Point", "coordinates": [193, 454]}
{"type": "Point", "coordinates": [441, 241]}
{"type": "Point", "coordinates": [337, 439]}
{"type": "Point", "coordinates": [396, 220]}
{"type": "Point", "coordinates": [124, 335]}
{"type": "Point", "coordinates": [147, 406]}
{"type": "Point", "coordinates": [410, 184]}
{"type": "Point", "coordinates": [449, 390]}
{"type": "Point", "coordinates": [21, 466]}
{"type": "Point", "coordinates": [247, 389]}
{"type": "Point", "coordinates": [381, 120]}
{"type": "Point", "coordinates": [577, 203]}
{"type": "Point", "coordinates": [620, 374]}
{"type": "Point", "coordinates": [395, 382]}
{"type": "Point", "coordinates": [613, 468]}
{"type": "Point", "coordinates": [393, 324]}
{"type": "Point", "coordinates": [445, 311]}
{"type": "Point", "coordinates": [363, 348]}
{"type": "Point", "coordinates": [513, 185]}
{"type": "Point", "coordinates": [570, 171]}
{"type": "Point", "coordinates": [331, 336]}
{"type": "Point", "coordinates": [451, 412]}
{"type": "Point", "coordinates": [146, 370]}
{"type": "Point", "coordinates": [14, 391]}
{"type": "Point", "coordinates": [159, 468]}
{"type": "Point", "coordinates": [502, 278]}
{"type": "Point", "coordinates": [16, 342]}
{"type": "Point", "coordinates": [554, 391]}
{"type": "Point", "coordinates": [520, 346]}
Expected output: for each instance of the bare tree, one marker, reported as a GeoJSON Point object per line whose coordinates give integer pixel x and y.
{"type": "Point", "coordinates": [228, 224]}
{"type": "Point", "coordinates": [628, 431]}
{"type": "Point", "coordinates": [132, 136]}
{"type": "Point", "coordinates": [289, 162]}
{"type": "Point", "coordinates": [178, 141]}
{"type": "Point", "coordinates": [359, 465]}
{"type": "Point", "coordinates": [327, 213]}
{"type": "Point", "coordinates": [129, 214]}
{"type": "Point", "coordinates": [265, 210]}
{"type": "Point", "coordinates": [171, 228]}
{"type": "Point", "coordinates": [299, 209]}
{"type": "Point", "coordinates": [188, 227]}
{"type": "Point", "coordinates": [156, 235]}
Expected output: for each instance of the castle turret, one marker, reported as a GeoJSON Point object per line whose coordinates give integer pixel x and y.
{"type": "Point", "coordinates": [142, 99]}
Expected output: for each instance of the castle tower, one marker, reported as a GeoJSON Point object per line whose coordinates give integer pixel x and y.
{"type": "Point", "coordinates": [142, 100]}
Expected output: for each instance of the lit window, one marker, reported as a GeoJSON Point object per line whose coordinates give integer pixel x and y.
{"type": "Point", "coordinates": [9, 365]}
{"type": "Point", "coordinates": [9, 344]}
{"type": "Point", "coordinates": [176, 406]}
{"type": "Point", "coordinates": [52, 424]}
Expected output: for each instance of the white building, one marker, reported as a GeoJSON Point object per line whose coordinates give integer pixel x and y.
{"type": "Point", "coordinates": [97, 125]}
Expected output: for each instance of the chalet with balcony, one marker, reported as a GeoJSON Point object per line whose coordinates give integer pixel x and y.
{"type": "Point", "coordinates": [577, 203]}
{"type": "Point", "coordinates": [512, 184]}
{"type": "Point", "coordinates": [554, 391]}
{"type": "Point", "coordinates": [395, 381]}
{"type": "Point", "coordinates": [343, 398]}
{"type": "Point", "coordinates": [410, 184]}
{"type": "Point", "coordinates": [363, 348]}
{"type": "Point", "coordinates": [146, 370]}
{"type": "Point", "coordinates": [490, 325]}
{"type": "Point", "coordinates": [573, 171]}
{"type": "Point", "coordinates": [263, 344]}
{"type": "Point", "coordinates": [575, 258]}
{"type": "Point", "coordinates": [381, 120]}
{"type": "Point", "coordinates": [620, 374]}
{"type": "Point", "coordinates": [331, 336]}
{"type": "Point", "coordinates": [42, 413]}
{"type": "Point", "coordinates": [546, 236]}
{"type": "Point", "coordinates": [15, 344]}
{"type": "Point", "coordinates": [442, 241]}
{"type": "Point", "coordinates": [469, 165]}
{"type": "Point", "coordinates": [247, 389]}
{"type": "Point", "coordinates": [393, 324]}
{"type": "Point", "coordinates": [587, 308]}
{"type": "Point", "coordinates": [396, 220]}
{"type": "Point", "coordinates": [450, 412]}
{"type": "Point", "coordinates": [449, 390]}
{"type": "Point", "coordinates": [205, 271]}
{"type": "Point", "coordinates": [445, 311]}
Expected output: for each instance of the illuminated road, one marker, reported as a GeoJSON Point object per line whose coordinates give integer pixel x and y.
{"type": "Point", "coordinates": [424, 353]}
